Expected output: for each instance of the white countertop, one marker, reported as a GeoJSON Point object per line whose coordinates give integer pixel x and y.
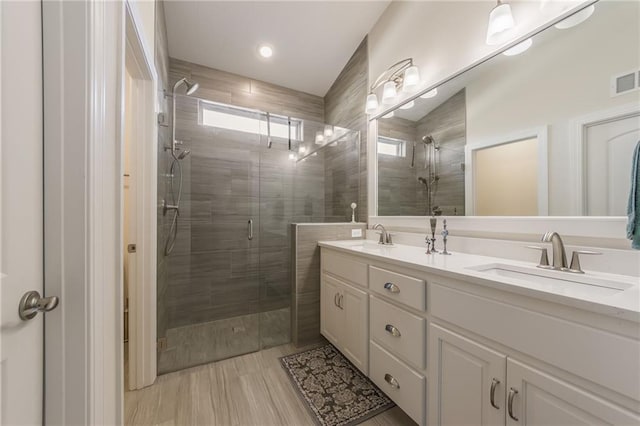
{"type": "Point", "coordinates": [624, 303]}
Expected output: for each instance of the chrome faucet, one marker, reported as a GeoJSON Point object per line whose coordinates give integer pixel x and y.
{"type": "Point", "coordinates": [385, 237]}
{"type": "Point", "coordinates": [559, 255]}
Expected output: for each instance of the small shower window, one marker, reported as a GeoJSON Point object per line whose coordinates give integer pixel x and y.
{"type": "Point", "coordinates": [245, 120]}
{"type": "Point", "coordinates": [392, 147]}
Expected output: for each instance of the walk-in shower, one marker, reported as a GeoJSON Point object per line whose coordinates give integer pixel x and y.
{"type": "Point", "coordinates": [248, 177]}
{"type": "Point", "coordinates": [175, 169]}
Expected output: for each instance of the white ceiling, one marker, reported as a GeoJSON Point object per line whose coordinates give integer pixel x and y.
{"type": "Point", "coordinates": [312, 40]}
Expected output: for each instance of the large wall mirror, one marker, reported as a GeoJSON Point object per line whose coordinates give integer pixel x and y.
{"type": "Point", "coordinates": [546, 131]}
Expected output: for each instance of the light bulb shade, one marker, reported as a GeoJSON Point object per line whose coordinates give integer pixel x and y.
{"type": "Point", "coordinates": [430, 94]}
{"type": "Point", "coordinates": [389, 115]}
{"type": "Point", "coordinates": [408, 105]}
{"type": "Point", "coordinates": [328, 130]}
{"type": "Point", "coordinates": [500, 22]}
{"type": "Point", "coordinates": [389, 93]}
{"type": "Point", "coordinates": [319, 138]}
{"type": "Point", "coordinates": [411, 79]}
{"type": "Point", "coordinates": [372, 104]}
{"type": "Point", "coordinates": [518, 48]}
{"type": "Point", "coordinates": [576, 19]}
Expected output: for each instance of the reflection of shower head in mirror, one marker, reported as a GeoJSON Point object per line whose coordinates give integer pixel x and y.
{"type": "Point", "coordinates": [428, 139]}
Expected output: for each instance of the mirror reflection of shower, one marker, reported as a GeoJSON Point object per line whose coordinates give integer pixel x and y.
{"type": "Point", "coordinates": [432, 176]}
{"type": "Point", "coordinates": [175, 169]}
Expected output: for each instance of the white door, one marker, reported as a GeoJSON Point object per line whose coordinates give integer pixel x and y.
{"type": "Point", "coordinates": [609, 147]}
{"type": "Point", "coordinates": [468, 383]}
{"type": "Point", "coordinates": [330, 312]}
{"type": "Point", "coordinates": [355, 337]}
{"type": "Point", "coordinates": [537, 398]}
{"type": "Point", "coordinates": [21, 229]}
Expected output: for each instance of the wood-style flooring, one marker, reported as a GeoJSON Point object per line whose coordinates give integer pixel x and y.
{"type": "Point", "coordinates": [248, 390]}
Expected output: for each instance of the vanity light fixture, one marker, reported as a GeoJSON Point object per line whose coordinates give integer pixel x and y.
{"type": "Point", "coordinates": [430, 94]}
{"type": "Point", "coordinates": [292, 156]}
{"type": "Point", "coordinates": [390, 115]}
{"type": "Point", "coordinates": [500, 22]}
{"type": "Point", "coordinates": [319, 138]}
{"type": "Point", "coordinates": [302, 150]}
{"type": "Point", "coordinates": [408, 105]}
{"type": "Point", "coordinates": [328, 131]}
{"type": "Point", "coordinates": [403, 74]}
{"type": "Point", "coordinates": [265, 51]}
{"type": "Point", "coordinates": [389, 93]}
{"type": "Point", "coordinates": [518, 48]}
{"type": "Point", "coordinates": [576, 19]}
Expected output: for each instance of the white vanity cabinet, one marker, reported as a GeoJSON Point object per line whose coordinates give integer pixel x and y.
{"type": "Point", "coordinates": [451, 351]}
{"type": "Point", "coordinates": [344, 318]}
{"type": "Point", "coordinates": [476, 385]}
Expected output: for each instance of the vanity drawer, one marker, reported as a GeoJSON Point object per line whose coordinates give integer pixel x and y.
{"type": "Point", "coordinates": [344, 267]}
{"type": "Point", "coordinates": [403, 385]}
{"type": "Point", "coordinates": [402, 288]}
{"type": "Point", "coordinates": [397, 330]}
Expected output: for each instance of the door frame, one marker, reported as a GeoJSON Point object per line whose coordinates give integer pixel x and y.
{"type": "Point", "coordinates": [541, 133]}
{"type": "Point", "coordinates": [580, 125]}
{"type": "Point", "coordinates": [84, 59]}
{"type": "Point", "coordinates": [142, 294]}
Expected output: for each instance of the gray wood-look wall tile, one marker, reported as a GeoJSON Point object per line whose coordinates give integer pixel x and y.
{"type": "Point", "coordinates": [305, 310]}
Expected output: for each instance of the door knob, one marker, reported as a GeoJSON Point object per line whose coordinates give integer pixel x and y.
{"type": "Point", "coordinates": [31, 303]}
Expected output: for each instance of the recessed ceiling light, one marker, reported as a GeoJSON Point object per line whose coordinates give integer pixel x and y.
{"type": "Point", "coordinates": [265, 50]}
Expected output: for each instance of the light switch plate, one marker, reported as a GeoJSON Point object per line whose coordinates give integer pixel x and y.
{"type": "Point", "coordinates": [356, 233]}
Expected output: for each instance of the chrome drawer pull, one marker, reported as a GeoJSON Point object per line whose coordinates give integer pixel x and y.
{"type": "Point", "coordinates": [512, 394]}
{"type": "Point", "coordinates": [392, 288]}
{"type": "Point", "coordinates": [492, 395]}
{"type": "Point", "coordinates": [392, 330]}
{"type": "Point", "coordinates": [391, 380]}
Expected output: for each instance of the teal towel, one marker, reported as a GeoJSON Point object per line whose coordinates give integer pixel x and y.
{"type": "Point", "coordinates": [633, 208]}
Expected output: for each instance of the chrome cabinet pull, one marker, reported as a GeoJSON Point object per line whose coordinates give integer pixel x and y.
{"type": "Point", "coordinates": [392, 330]}
{"type": "Point", "coordinates": [335, 299]}
{"type": "Point", "coordinates": [250, 230]}
{"type": "Point", "coordinates": [512, 394]}
{"type": "Point", "coordinates": [340, 299]}
{"type": "Point", "coordinates": [391, 288]}
{"type": "Point", "coordinates": [391, 380]}
{"type": "Point", "coordinates": [492, 395]}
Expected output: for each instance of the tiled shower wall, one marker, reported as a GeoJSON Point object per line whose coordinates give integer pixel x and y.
{"type": "Point", "coordinates": [344, 106]}
{"type": "Point", "coordinates": [305, 312]}
{"type": "Point", "coordinates": [399, 192]}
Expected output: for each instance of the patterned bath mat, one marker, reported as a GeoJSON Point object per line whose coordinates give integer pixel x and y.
{"type": "Point", "coordinates": [335, 391]}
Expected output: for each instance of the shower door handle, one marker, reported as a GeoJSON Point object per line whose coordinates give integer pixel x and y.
{"type": "Point", "coordinates": [250, 229]}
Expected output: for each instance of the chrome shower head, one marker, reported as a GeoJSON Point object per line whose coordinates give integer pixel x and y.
{"type": "Point", "coordinates": [428, 139]}
{"type": "Point", "coordinates": [184, 154]}
{"type": "Point", "coordinates": [192, 86]}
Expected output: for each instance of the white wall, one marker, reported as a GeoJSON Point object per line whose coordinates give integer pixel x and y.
{"type": "Point", "coordinates": [566, 76]}
{"type": "Point", "coordinates": [444, 37]}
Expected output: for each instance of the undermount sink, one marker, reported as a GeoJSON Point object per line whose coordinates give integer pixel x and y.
{"type": "Point", "coordinates": [556, 279]}
{"type": "Point", "coordinates": [366, 245]}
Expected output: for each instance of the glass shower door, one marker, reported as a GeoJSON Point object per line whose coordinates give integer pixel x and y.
{"type": "Point", "coordinates": [211, 304]}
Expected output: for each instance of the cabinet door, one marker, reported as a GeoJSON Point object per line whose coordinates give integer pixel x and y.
{"type": "Point", "coordinates": [537, 398]}
{"type": "Point", "coordinates": [330, 313]}
{"type": "Point", "coordinates": [355, 334]}
{"type": "Point", "coordinates": [467, 385]}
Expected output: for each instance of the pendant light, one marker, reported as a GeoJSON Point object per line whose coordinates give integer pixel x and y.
{"type": "Point", "coordinates": [500, 22]}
